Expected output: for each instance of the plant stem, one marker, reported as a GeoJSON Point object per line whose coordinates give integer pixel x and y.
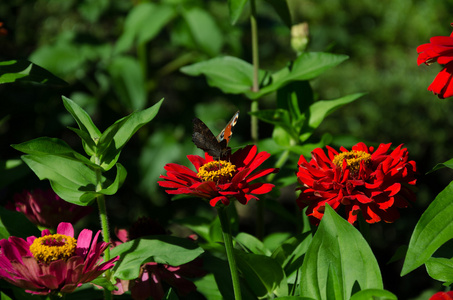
{"type": "Point", "coordinates": [228, 241]}
{"type": "Point", "coordinates": [255, 56]}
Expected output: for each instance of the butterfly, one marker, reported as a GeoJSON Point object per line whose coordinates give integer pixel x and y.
{"type": "Point", "coordinates": [216, 146]}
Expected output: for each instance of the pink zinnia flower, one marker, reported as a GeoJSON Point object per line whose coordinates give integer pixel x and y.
{"type": "Point", "coordinates": [220, 180]}
{"type": "Point", "coordinates": [53, 263]}
{"type": "Point", "coordinates": [375, 183]}
{"type": "Point", "coordinates": [46, 209]}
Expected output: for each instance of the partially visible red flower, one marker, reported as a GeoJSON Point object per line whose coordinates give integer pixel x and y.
{"type": "Point", "coordinates": [440, 50]}
{"type": "Point", "coordinates": [153, 275]}
{"type": "Point", "coordinates": [3, 30]}
{"type": "Point", "coordinates": [46, 209]}
{"type": "Point", "coordinates": [53, 263]}
{"type": "Point", "coordinates": [220, 180]}
{"type": "Point", "coordinates": [442, 296]}
{"type": "Point", "coordinates": [375, 183]}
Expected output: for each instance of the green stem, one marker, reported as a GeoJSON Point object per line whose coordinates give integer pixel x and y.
{"type": "Point", "coordinates": [228, 241]}
{"type": "Point", "coordinates": [255, 56]}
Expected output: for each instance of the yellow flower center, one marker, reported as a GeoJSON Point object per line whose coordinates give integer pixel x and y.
{"type": "Point", "coordinates": [53, 247]}
{"type": "Point", "coordinates": [353, 159]}
{"type": "Point", "coordinates": [218, 171]}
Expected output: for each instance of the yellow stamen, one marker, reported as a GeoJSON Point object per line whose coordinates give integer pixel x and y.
{"type": "Point", "coordinates": [53, 247]}
{"type": "Point", "coordinates": [217, 171]}
{"type": "Point", "coordinates": [353, 159]}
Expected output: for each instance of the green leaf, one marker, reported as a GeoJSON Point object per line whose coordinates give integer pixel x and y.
{"type": "Point", "coordinates": [251, 243]}
{"type": "Point", "coordinates": [230, 74]}
{"type": "Point", "coordinates": [52, 146]}
{"type": "Point", "coordinates": [282, 9]}
{"type": "Point", "coordinates": [338, 249]}
{"type": "Point", "coordinates": [143, 23]}
{"type": "Point", "coordinates": [121, 174]}
{"type": "Point", "coordinates": [117, 135]}
{"type": "Point", "coordinates": [104, 283]}
{"type": "Point", "coordinates": [12, 170]}
{"type": "Point", "coordinates": [307, 66]}
{"type": "Point", "coordinates": [373, 294]}
{"type": "Point", "coordinates": [128, 81]}
{"type": "Point", "coordinates": [440, 269]}
{"type": "Point", "coordinates": [82, 118]}
{"type": "Point", "coordinates": [290, 254]}
{"type": "Point", "coordinates": [448, 164]}
{"type": "Point", "coordinates": [263, 274]}
{"type": "Point", "coordinates": [168, 250]}
{"type": "Point", "coordinates": [277, 117]}
{"type": "Point", "coordinates": [236, 7]}
{"type": "Point", "coordinates": [434, 228]}
{"type": "Point", "coordinates": [295, 298]}
{"type": "Point", "coordinates": [208, 287]}
{"type": "Point", "coordinates": [72, 178]}
{"type": "Point", "coordinates": [320, 109]}
{"type": "Point", "coordinates": [25, 71]}
{"type": "Point", "coordinates": [204, 30]}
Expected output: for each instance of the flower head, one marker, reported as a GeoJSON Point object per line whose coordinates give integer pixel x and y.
{"type": "Point", "coordinates": [440, 50]}
{"type": "Point", "coordinates": [53, 263]}
{"type": "Point", "coordinates": [153, 276]}
{"type": "Point", "coordinates": [442, 296]}
{"type": "Point", "coordinates": [375, 183]}
{"type": "Point", "coordinates": [46, 209]}
{"type": "Point", "coordinates": [220, 180]}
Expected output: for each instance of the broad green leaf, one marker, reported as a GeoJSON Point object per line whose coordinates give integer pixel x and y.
{"type": "Point", "coordinates": [236, 7]}
{"type": "Point", "coordinates": [373, 294]}
{"type": "Point", "coordinates": [448, 164]}
{"type": "Point", "coordinates": [295, 298]}
{"type": "Point", "coordinates": [121, 174]}
{"type": "Point", "coordinates": [52, 146]}
{"type": "Point", "coordinates": [440, 269]}
{"type": "Point", "coordinates": [68, 175]}
{"type": "Point", "coordinates": [263, 274]}
{"type": "Point", "coordinates": [70, 194]}
{"type": "Point", "coordinates": [168, 250]}
{"type": "Point", "coordinates": [320, 109]}
{"type": "Point", "coordinates": [282, 9]}
{"type": "Point", "coordinates": [197, 224]}
{"type": "Point", "coordinates": [207, 286]}
{"type": "Point", "coordinates": [128, 82]}
{"type": "Point", "coordinates": [251, 243]}
{"type": "Point", "coordinates": [338, 248]}
{"type": "Point", "coordinates": [104, 283]}
{"type": "Point", "coordinates": [230, 74]}
{"type": "Point", "coordinates": [25, 71]}
{"type": "Point", "coordinates": [88, 144]}
{"type": "Point", "coordinates": [143, 23]}
{"type": "Point", "coordinates": [9, 221]}
{"type": "Point", "coordinates": [307, 66]}
{"type": "Point", "coordinates": [117, 135]}
{"type": "Point", "coordinates": [204, 30]}
{"type": "Point", "coordinates": [82, 118]}
{"type": "Point", "coordinates": [277, 117]}
{"type": "Point", "coordinates": [434, 228]}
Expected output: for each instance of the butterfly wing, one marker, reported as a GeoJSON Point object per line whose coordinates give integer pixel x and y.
{"type": "Point", "coordinates": [204, 139]}
{"type": "Point", "coordinates": [227, 132]}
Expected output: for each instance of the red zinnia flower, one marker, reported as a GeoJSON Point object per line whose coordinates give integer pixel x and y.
{"type": "Point", "coordinates": [220, 180]}
{"type": "Point", "coordinates": [53, 263]}
{"type": "Point", "coordinates": [440, 49]}
{"type": "Point", "coordinates": [442, 296]}
{"type": "Point", "coordinates": [46, 209]}
{"type": "Point", "coordinates": [373, 182]}
{"type": "Point", "coordinates": [153, 276]}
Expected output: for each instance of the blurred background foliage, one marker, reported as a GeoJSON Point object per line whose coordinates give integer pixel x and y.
{"type": "Point", "coordinates": [118, 56]}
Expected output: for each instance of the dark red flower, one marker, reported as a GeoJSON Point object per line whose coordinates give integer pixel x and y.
{"type": "Point", "coordinates": [440, 50]}
{"type": "Point", "coordinates": [361, 180]}
{"type": "Point", "coordinates": [220, 180]}
{"type": "Point", "coordinates": [153, 276]}
{"type": "Point", "coordinates": [442, 296]}
{"type": "Point", "coordinates": [46, 209]}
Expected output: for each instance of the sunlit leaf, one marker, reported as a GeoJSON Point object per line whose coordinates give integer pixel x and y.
{"type": "Point", "coordinates": [440, 269]}
{"type": "Point", "coordinates": [338, 253]}
{"type": "Point", "coordinates": [25, 71]}
{"type": "Point", "coordinates": [121, 174]}
{"type": "Point", "coordinates": [168, 250]}
{"type": "Point", "coordinates": [447, 164]}
{"type": "Point", "coordinates": [434, 228]}
{"type": "Point", "coordinates": [374, 294]}
{"type": "Point", "coordinates": [230, 74]}
{"type": "Point", "coordinates": [82, 118]}
{"type": "Point", "coordinates": [251, 243]}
